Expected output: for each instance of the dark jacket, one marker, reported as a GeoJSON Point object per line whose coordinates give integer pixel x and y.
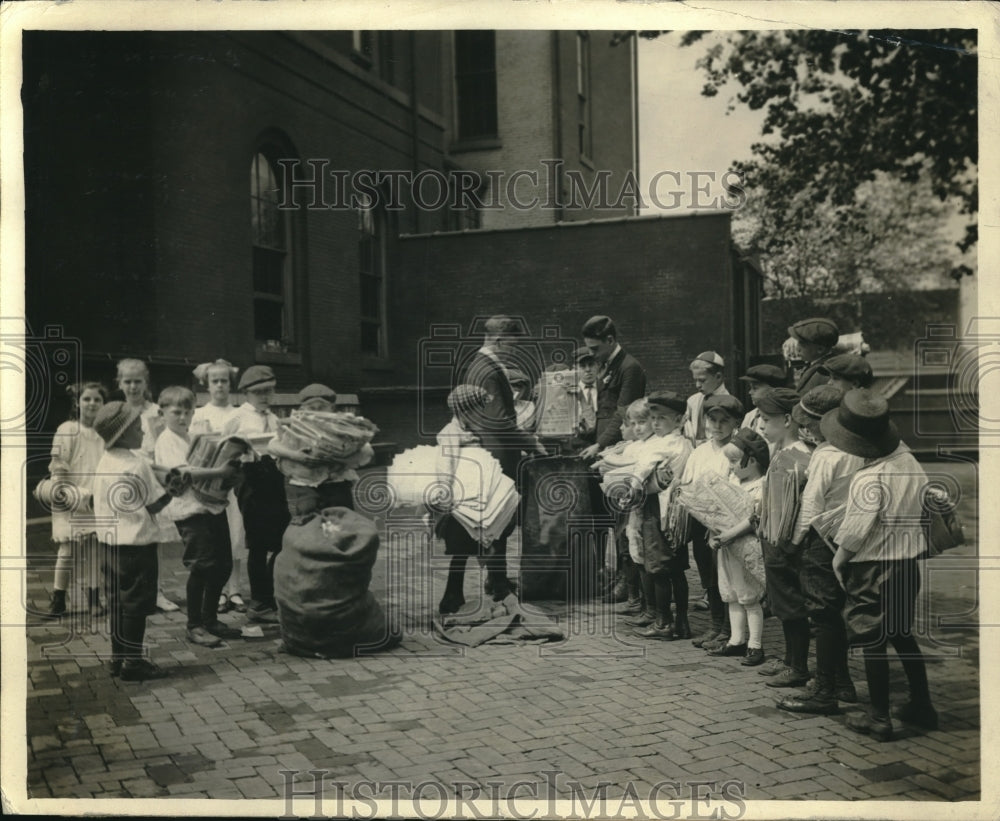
{"type": "Point", "coordinates": [622, 382]}
{"type": "Point", "coordinates": [496, 424]}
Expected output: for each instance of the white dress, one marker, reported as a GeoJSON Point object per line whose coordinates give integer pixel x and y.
{"type": "Point", "coordinates": [741, 561]}
{"type": "Point", "coordinates": [76, 450]}
{"type": "Point", "coordinates": [212, 419]}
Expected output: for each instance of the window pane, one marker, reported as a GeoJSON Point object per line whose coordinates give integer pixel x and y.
{"type": "Point", "coordinates": [269, 271]}
{"type": "Point", "coordinates": [371, 297]}
{"type": "Point", "coordinates": [267, 320]}
{"type": "Point", "coordinates": [475, 82]}
{"type": "Point", "coordinates": [370, 336]}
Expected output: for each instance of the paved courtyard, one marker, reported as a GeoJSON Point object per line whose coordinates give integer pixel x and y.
{"type": "Point", "coordinates": [600, 706]}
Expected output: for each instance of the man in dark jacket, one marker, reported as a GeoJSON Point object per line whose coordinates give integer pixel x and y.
{"type": "Point", "coordinates": [495, 425]}
{"type": "Point", "coordinates": [621, 382]}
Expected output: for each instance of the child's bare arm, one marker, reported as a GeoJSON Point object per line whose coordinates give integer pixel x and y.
{"type": "Point", "coordinates": [734, 532]}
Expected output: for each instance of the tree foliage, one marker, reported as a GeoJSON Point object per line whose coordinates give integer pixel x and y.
{"type": "Point", "coordinates": [889, 238]}
{"type": "Point", "coordinates": [841, 106]}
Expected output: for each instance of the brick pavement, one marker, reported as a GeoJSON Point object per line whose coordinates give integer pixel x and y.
{"type": "Point", "coordinates": [601, 706]}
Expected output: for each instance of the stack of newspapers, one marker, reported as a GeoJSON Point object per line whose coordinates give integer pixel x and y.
{"type": "Point", "coordinates": [467, 483]}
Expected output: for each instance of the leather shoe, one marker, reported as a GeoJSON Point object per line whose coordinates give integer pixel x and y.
{"type": "Point", "coordinates": [655, 631]}
{"type": "Point", "coordinates": [772, 668]}
{"type": "Point", "coordinates": [754, 656]}
{"type": "Point", "coordinates": [708, 635]}
{"type": "Point", "coordinates": [141, 670]}
{"type": "Point", "coordinates": [729, 650]}
{"type": "Point", "coordinates": [847, 694]}
{"type": "Point", "coordinates": [878, 727]}
{"type": "Point", "coordinates": [788, 678]}
{"type": "Point", "coordinates": [813, 704]}
{"type": "Point", "coordinates": [632, 608]}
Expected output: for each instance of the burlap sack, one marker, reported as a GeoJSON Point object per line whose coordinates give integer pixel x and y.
{"type": "Point", "coordinates": [321, 579]}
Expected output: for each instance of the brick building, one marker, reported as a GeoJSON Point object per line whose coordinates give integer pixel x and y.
{"type": "Point", "coordinates": [188, 197]}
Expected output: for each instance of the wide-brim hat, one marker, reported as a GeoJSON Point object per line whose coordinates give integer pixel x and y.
{"type": "Point", "coordinates": [861, 425]}
{"type": "Point", "coordinates": [770, 375]}
{"type": "Point", "coordinates": [113, 419]}
{"type": "Point", "coordinates": [257, 376]}
{"type": "Point", "coordinates": [668, 399]}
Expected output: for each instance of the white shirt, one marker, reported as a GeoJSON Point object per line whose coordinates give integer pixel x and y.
{"type": "Point", "coordinates": [248, 420]}
{"type": "Point", "coordinates": [707, 457]}
{"type": "Point", "coordinates": [882, 520]}
{"type": "Point", "coordinates": [589, 394]}
{"type": "Point", "coordinates": [211, 418]}
{"type": "Point", "coordinates": [171, 452]}
{"type": "Point", "coordinates": [828, 478]}
{"type": "Point", "coordinates": [124, 485]}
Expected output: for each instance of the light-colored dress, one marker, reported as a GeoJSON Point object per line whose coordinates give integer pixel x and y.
{"type": "Point", "coordinates": [741, 561]}
{"type": "Point", "coordinates": [213, 419]}
{"type": "Point", "coordinates": [76, 450]}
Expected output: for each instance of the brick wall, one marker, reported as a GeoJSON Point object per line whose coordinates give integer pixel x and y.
{"type": "Point", "coordinates": [666, 282]}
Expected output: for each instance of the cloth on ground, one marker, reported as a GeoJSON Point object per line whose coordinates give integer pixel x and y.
{"type": "Point", "coordinates": [503, 623]}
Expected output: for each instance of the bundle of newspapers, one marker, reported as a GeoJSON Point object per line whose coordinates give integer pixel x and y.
{"type": "Point", "coordinates": [213, 450]}
{"type": "Point", "coordinates": [464, 482]}
{"type": "Point", "coordinates": [716, 502]}
{"type": "Point", "coordinates": [335, 437]}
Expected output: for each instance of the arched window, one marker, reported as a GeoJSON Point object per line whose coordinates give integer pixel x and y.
{"type": "Point", "coordinates": [273, 291]}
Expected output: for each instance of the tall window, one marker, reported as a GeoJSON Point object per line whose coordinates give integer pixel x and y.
{"type": "Point", "coordinates": [371, 269]}
{"type": "Point", "coordinates": [583, 94]}
{"type": "Point", "coordinates": [273, 313]}
{"type": "Point", "coordinates": [476, 84]}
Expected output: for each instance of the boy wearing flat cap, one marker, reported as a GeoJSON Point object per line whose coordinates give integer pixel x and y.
{"type": "Point", "coordinates": [707, 369]}
{"type": "Point", "coordinates": [723, 414]}
{"type": "Point", "coordinates": [127, 492]}
{"type": "Point", "coordinates": [759, 378]}
{"type": "Point", "coordinates": [848, 371]}
{"type": "Point", "coordinates": [878, 547]}
{"type": "Point", "coordinates": [828, 478]}
{"type": "Point", "coordinates": [665, 555]}
{"type": "Point", "coordinates": [817, 338]}
{"type": "Point", "coordinates": [783, 483]}
{"type": "Point", "coordinates": [261, 496]}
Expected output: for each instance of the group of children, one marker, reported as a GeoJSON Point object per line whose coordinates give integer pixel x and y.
{"type": "Point", "coordinates": [776, 504]}
{"type": "Point", "coordinates": [126, 462]}
{"type": "Point", "coordinates": [809, 505]}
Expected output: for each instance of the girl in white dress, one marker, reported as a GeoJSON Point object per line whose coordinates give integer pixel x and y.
{"type": "Point", "coordinates": [76, 450]}
{"type": "Point", "coordinates": [218, 378]}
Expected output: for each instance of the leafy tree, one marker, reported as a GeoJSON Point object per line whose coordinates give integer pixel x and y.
{"type": "Point", "coordinates": [842, 106]}
{"type": "Point", "coordinates": [888, 239]}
